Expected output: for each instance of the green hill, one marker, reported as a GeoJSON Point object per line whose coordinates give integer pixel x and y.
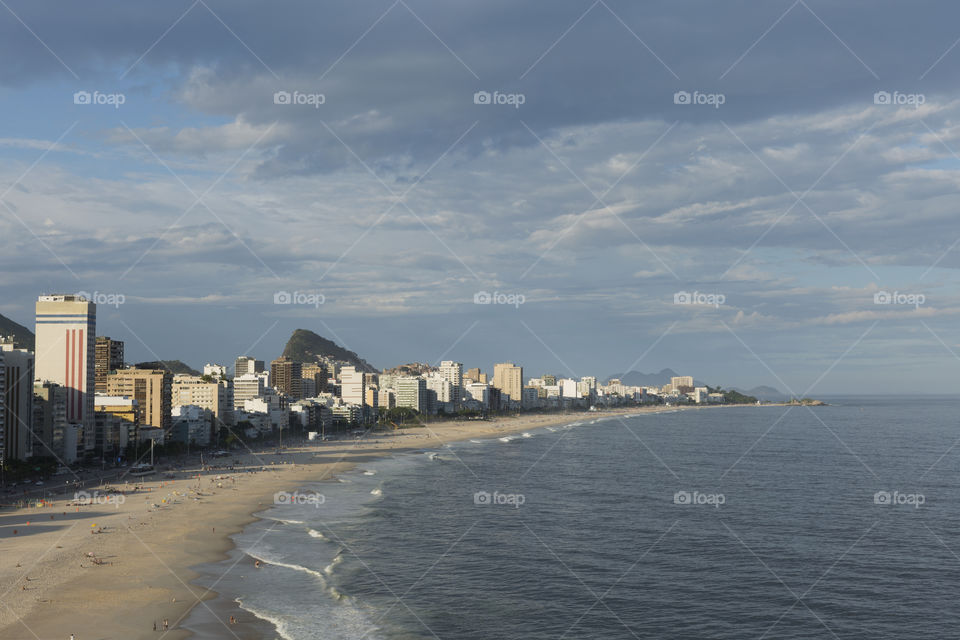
{"type": "Point", "coordinates": [22, 337]}
{"type": "Point", "coordinates": [306, 346]}
{"type": "Point", "coordinates": [173, 366]}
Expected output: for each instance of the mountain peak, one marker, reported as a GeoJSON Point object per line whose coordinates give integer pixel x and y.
{"type": "Point", "coordinates": [305, 346]}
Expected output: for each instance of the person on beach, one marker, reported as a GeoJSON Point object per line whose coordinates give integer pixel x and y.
{"type": "Point", "coordinates": [166, 625]}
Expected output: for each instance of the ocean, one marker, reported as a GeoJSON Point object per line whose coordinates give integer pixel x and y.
{"type": "Point", "coordinates": [764, 522]}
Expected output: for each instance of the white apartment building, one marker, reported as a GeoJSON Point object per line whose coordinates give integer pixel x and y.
{"type": "Point", "coordinates": [247, 387]}
{"type": "Point", "coordinates": [453, 373]}
{"type": "Point", "coordinates": [216, 396]}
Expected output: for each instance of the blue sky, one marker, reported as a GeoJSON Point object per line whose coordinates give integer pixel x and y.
{"type": "Point", "coordinates": [791, 206]}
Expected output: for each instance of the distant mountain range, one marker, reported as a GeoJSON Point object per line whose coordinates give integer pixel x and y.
{"type": "Point", "coordinates": [306, 346]}
{"type": "Point", "coordinates": [173, 366]}
{"type": "Point", "coordinates": [22, 337]}
{"type": "Point", "coordinates": [638, 379]}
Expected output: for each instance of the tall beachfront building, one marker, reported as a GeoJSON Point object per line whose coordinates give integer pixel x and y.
{"type": "Point", "coordinates": [17, 388]}
{"type": "Point", "coordinates": [65, 353]}
{"type": "Point", "coordinates": [508, 378]}
{"type": "Point", "coordinates": [453, 373]}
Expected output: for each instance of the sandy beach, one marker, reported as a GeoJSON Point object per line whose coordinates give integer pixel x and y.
{"type": "Point", "coordinates": [110, 571]}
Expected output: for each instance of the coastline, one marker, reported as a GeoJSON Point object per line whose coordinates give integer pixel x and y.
{"type": "Point", "coordinates": [150, 554]}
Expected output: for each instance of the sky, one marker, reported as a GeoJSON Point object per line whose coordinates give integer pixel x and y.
{"type": "Point", "coordinates": [747, 192]}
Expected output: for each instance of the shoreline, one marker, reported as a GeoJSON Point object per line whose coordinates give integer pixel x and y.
{"type": "Point", "coordinates": [153, 543]}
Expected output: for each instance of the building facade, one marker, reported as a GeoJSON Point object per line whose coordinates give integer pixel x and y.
{"type": "Point", "coordinates": [17, 386]}
{"type": "Point", "coordinates": [66, 346]}
{"type": "Point", "coordinates": [151, 388]}
{"type": "Point", "coordinates": [108, 356]}
{"type": "Point", "coordinates": [286, 376]}
{"type": "Point", "coordinates": [508, 378]}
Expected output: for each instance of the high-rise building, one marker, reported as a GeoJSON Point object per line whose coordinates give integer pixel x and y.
{"type": "Point", "coordinates": [318, 374]}
{"type": "Point", "coordinates": [118, 422]}
{"type": "Point", "coordinates": [215, 395]}
{"type": "Point", "coordinates": [246, 387]}
{"type": "Point", "coordinates": [411, 392]}
{"type": "Point", "coordinates": [50, 421]}
{"type": "Point", "coordinates": [151, 388]}
{"type": "Point", "coordinates": [353, 386]}
{"type": "Point", "coordinates": [285, 375]}
{"type": "Point", "coordinates": [508, 378]}
{"type": "Point", "coordinates": [453, 372]}
{"type": "Point", "coordinates": [108, 356]}
{"type": "Point", "coordinates": [3, 411]}
{"type": "Point", "coordinates": [245, 365]}
{"type": "Point", "coordinates": [682, 384]}
{"type": "Point", "coordinates": [17, 398]}
{"type": "Point", "coordinates": [65, 346]}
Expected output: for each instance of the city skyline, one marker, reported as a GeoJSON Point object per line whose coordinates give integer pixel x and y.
{"type": "Point", "coordinates": [792, 171]}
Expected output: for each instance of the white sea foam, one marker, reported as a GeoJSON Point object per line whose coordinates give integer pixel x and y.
{"type": "Point", "coordinates": [377, 492]}
{"type": "Point", "coordinates": [316, 534]}
{"type": "Point", "coordinates": [278, 623]}
{"type": "Point", "coordinates": [288, 565]}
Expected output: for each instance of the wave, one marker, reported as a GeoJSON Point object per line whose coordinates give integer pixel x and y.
{"type": "Point", "coordinates": [527, 434]}
{"type": "Point", "coordinates": [333, 565]}
{"type": "Point", "coordinates": [283, 521]}
{"type": "Point", "coordinates": [370, 472]}
{"type": "Point", "coordinates": [377, 492]}
{"type": "Point", "coordinates": [295, 567]}
{"type": "Point", "coordinates": [278, 623]}
{"type": "Point", "coordinates": [316, 534]}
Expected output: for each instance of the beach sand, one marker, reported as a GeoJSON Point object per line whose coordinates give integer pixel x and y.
{"type": "Point", "coordinates": [51, 587]}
